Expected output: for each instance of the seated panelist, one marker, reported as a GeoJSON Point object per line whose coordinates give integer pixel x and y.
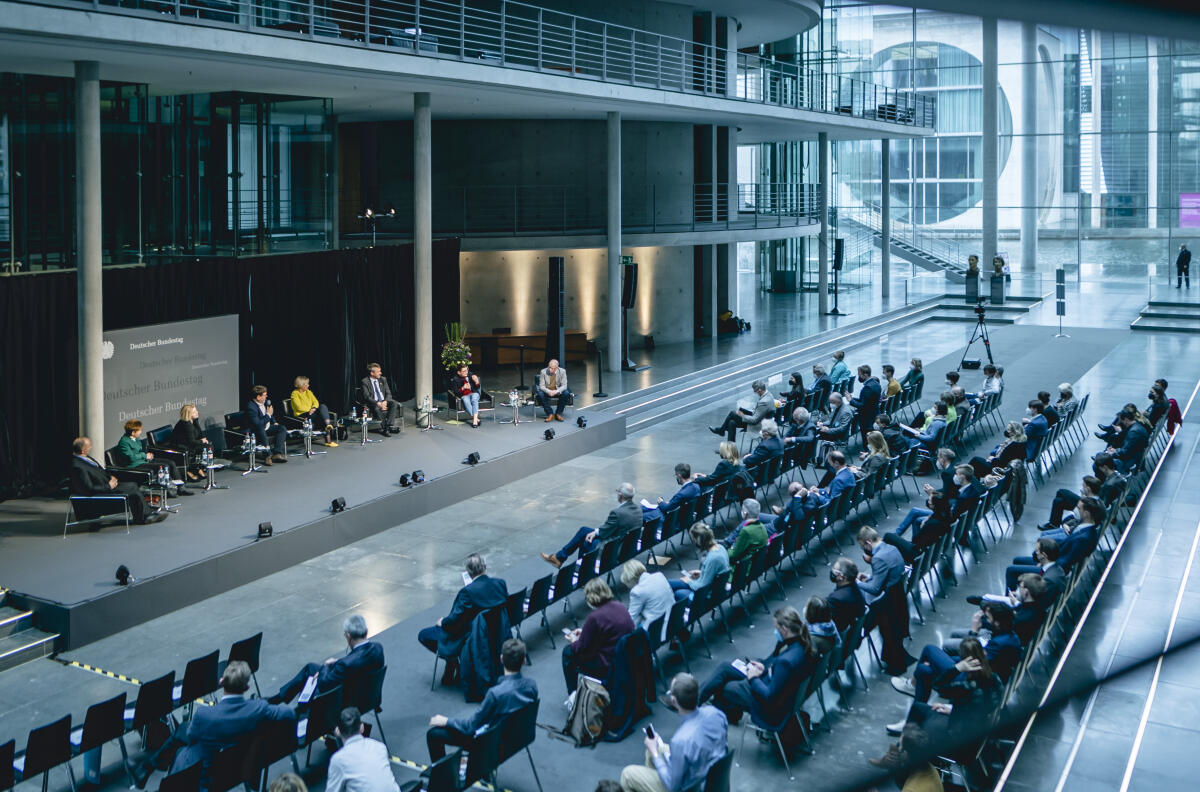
{"type": "Point", "coordinates": [259, 419]}
{"type": "Point", "coordinates": [305, 404]}
{"type": "Point", "coordinates": [377, 399]}
{"type": "Point", "coordinates": [131, 454]}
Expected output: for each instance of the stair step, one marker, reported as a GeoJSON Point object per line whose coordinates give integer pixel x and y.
{"type": "Point", "coordinates": [998, 320]}
{"type": "Point", "coordinates": [13, 620]}
{"type": "Point", "coordinates": [991, 309]}
{"type": "Point", "coordinates": [1190, 308]}
{"type": "Point", "coordinates": [1169, 313]}
{"type": "Point", "coordinates": [25, 646]}
{"type": "Point", "coordinates": [1166, 325]}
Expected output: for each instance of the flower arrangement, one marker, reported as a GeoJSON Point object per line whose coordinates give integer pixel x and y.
{"type": "Point", "coordinates": [455, 352]}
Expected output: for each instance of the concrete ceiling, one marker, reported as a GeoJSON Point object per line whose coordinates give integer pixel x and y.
{"type": "Point", "coordinates": [1174, 18]}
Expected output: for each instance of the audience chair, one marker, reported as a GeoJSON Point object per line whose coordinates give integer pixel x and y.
{"type": "Point", "coordinates": [677, 629]}
{"type": "Point", "coordinates": [484, 757]}
{"type": "Point", "coordinates": [852, 639]}
{"type": "Point", "coordinates": [774, 730]}
{"type": "Point", "coordinates": [321, 719]}
{"type": "Point", "coordinates": [185, 780]}
{"type": "Point", "coordinates": [365, 691]}
{"type": "Point", "coordinates": [247, 650]}
{"type": "Point", "coordinates": [562, 589]}
{"type": "Point", "coordinates": [103, 723]}
{"type": "Point", "coordinates": [515, 605]}
{"type": "Point", "coordinates": [273, 741]}
{"type": "Point", "coordinates": [8, 752]}
{"type": "Point", "coordinates": [441, 776]}
{"type": "Point", "coordinates": [539, 600]}
{"type": "Point", "coordinates": [200, 680]}
{"type": "Point", "coordinates": [518, 731]}
{"type": "Point", "coordinates": [154, 704]}
{"type": "Point", "coordinates": [718, 778]}
{"type": "Point", "coordinates": [96, 509]}
{"type": "Point", "coordinates": [48, 747]}
{"type": "Point", "coordinates": [654, 634]}
{"type": "Point", "coordinates": [230, 767]}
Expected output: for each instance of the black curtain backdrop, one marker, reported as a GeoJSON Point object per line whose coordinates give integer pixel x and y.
{"type": "Point", "coordinates": [324, 315]}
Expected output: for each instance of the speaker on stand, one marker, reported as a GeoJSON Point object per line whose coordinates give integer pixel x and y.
{"type": "Point", "coordinates": [839, 252]}
{"type": "Point", "coordinates": [628, 299]}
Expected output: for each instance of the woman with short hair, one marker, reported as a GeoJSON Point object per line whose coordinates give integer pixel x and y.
{"type": "Point", "coordinates": [305, 404]}
{"type": "Point", "coordinates": [465, 385]}
{"type": "Point", "coordinates": [131, 454]}
{"type": "Point", "coordinates": [819, 618]}
{"type": "Point", "coordinates": [591, 647]}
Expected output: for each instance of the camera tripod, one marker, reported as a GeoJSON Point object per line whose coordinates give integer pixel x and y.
{"type": "Point", "coordinates": [980, 334]}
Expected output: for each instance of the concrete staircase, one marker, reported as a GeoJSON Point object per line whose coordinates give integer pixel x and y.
{"type": "Point", "coordinates": [1012, 310]}
{"type": "Point", "coordinates": [20, 640]}
{"type": "Point", "coordinates": [1167, 316]}
{"type": "Point", "coordinates": [930, 255]}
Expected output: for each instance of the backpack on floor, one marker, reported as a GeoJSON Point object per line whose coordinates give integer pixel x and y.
{"type": "Point", "coordinates": [585, 724]}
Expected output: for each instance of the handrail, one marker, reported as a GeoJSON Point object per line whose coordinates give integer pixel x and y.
{"type": "Point", "coordinates": [525, 36]}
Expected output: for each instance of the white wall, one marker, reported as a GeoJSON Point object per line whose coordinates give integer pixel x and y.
{"type": "Point", "coordinates": [508, 289]}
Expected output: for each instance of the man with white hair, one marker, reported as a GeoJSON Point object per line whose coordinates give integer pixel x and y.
{"type": "Point", "coordinates": [742, 417]}
{"type": "Point", "coordinates": [769, 447]}
{"type": "Point", "coordinates": [1067, 402]}
{"type": "Point", "coordinates": [362, 657]}
{"type": "Point", "coordinates": [749, 536]}
{"type": "Point", "coordinates": [802, 429]}
{"type": "Point", "coordinates": [621, 520]}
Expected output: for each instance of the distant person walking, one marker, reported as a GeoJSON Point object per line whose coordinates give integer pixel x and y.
{"type": "Point", "coordinates": [1183, 267]}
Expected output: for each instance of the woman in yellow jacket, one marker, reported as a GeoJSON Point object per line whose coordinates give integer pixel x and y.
{"type": "Point", "coordinates": [305, 404]}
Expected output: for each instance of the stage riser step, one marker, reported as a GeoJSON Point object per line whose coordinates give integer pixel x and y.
{"type": "Point", "coordinates": [1166, 325]}
{"type": "Point", "coordinates": [1193, 317]}
{"type": "Point", "coordinates": [991, 309]}
{"type": "Point", "coordinates": [25, 646]}
{"type": "Point", "coordinates": [14, 621]}
{"type": "Point", "coordinates": [1190, 307]}
{"type": "Point", "coordinates": [1000, 320]}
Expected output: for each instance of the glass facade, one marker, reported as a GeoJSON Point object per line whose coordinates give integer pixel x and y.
{"type": "Point", "coordinates": [176, 172]}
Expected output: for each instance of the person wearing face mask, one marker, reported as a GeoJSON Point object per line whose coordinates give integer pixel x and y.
{"type": "Point", "coordinates": [1036, 427]}
{"type": "Point", "coordinates": [930, 433]}
{"type": "Point", "coordinates": [1052, 416]}
{"type": "Point", "coordinates": [914, 378]}
{"type": "Point", "coordinates": [766, 688]}
{"type": "Point", "coordinates": [1067, 403]}
{"type": "Point", "coordinates": [1065, 501]}
{"type": "Point", "coordinates": [944, 467]}
{"type": "Point", "coordinates": [1029, 602]}
{"type": "Point", "coordinates": [835, 428]}
{"type": "Point", "coordinates": [1074, 543]}
{"type": "Point", "coordinates": [927, 530]}
{"type": "Point", "coordinates": [820, 388]}
{"type": "Point", "coordinates": [1005, 453]}
{"type": "Point", "coordinates": [866, 403]}
{"type": "Point", "coordinates": [795, 388]}
{"type": "Point", "coordinates": [802, 429]}
{"type": "Point", "coordinates": [968, 491]}
{"type": "Point", "coordinates": [1158, 404]}
{"type": "Point", "coordinates": [846, 601]}
{"type": "Point", "coordinates": [1135, 438]}
{"type": "Point", "coordinates": [893, 435]}
{"type": "Point", "coordinates": [840, 373]}
{"type": "Point", "coordinates": [883, 590]}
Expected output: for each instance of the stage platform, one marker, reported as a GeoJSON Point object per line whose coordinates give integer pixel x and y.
{"type": "Point", "coordinates": [210, 546]}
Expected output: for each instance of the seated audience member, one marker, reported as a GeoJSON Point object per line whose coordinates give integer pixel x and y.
{"type": "Point", "coordinates": [930, 433]}
{"type": "Point", "coordinates": [621, 520]}
{"type": "Point", "coordinates": [891, 385]}
{"type": "Point", "coordinates": [936, 666]}
{"type": "Point", "coordinates": [1158, 406]}
{"type": "Point", "coordinates": [361, 764]}
{"type": "Point", "coordinates": [968, 491]}
{"type": "Point", "coordinates": [1076, 538]}
{"type": "Point", "coordinates": [914, 378]}
{"type": "Point", "coordinates": [1067, 403]}
{"type": "Point", "coordinates": [688, 489]}
{"type": "Point", "coordinates": [767, 688]}
{"type": "Point", "coordinates": [866, 403]}
{"type": "Point", "coordinates": [992, 384]}
{"type": "Point", "coordinates": [130, 454]}
{"type": "Point", "coordinates": [552, 384]}
{"type": "Point", "coordinates": [650, 593]}
{"type": "Point", "coordinates": [840, 374]}
{"type": "Point", "coordinates": [883, 590]}
{"type": "Point", "coordinates": [362, 657]}
{"type": "Point", "coordinates": [909, 759]}
{"type": "Point", "coordinates": [795, 387]}
{"type": "Point", "coordinates": [1045, 563]}
{"type": "Point", "coordinates": [821, 387]}
{"type": "Point", "coordinates": [446, 638]}
{"type": "Point", "coordinates": [973, 687]}
{"type": "Point", "coordinates": [698, 743]}
{"type": "Point", "coordinates": [714, 560]}
{"type": "Point", "coordinates": [731, 462]}
{"type": "Point", "coordinates": [834, 427]}
{"type": "Point", "coordinates": [1029, 602]}
{"type": "Point", "coordinates": [1112, 481]}
{"type": "Point", "coordinates": [1036, 427]}
{"type": "Point", "coordinates": [743, 417]}
{"type": "Point", "coordinates": [591, 647]}
{"type": "Point", "coordinates": [1065, 501]}
{"type": "Point", "coordinates": [230, 721]}
{"type": "Point", "coordinates": [88, 477]}
{"type": "Point", "coordinates": [802, 429]}
{"type": "Point", "coordinates": [952, 378]}
{"type": "Point", "coordinates": [1174, 416]}
{"type": "Point", "coordinates": [377, 399]}
{"type": "Point", "coordinates": [893, 435]}
{"type": "Point", "coordinates": [873, 458]}
{"type": "Point", "coordinates": [842, 478]}
{"type": "Point", "coordinates": [846, 601]}
{"type": "Point", "coordinates": [749, 536]}
{"type": "Point", "coordinates": [188, 437]}
{"type": "Point", "coordinates": [466, 386]}
{"type": "Point", "coordinates": [929, 525]}
{"type": "Point", "coordinates": [819, 619]}
{"type": "Point", "coordinates": [769, 447]}
{"type": "Point", "coordinates": [258, 417]}
{"type": "Point", "coordinates": [801, 502]}
{"type": "Point", "coordinates": [1052, 416]}
{"type": "Point", "coordinates": [305, 404]}
{"type": "Point", "coordinates": [1110, 433]}
{"type": "Point", "coordinates": [512, 692]}
{"type": "Point", "coordinates": [1133, 445]}
{"type": "Point", "coordinates": [1004, 453]}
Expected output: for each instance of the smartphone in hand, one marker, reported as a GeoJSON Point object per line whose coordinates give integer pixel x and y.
{"type": "Point", "coordinates": [650, 731]}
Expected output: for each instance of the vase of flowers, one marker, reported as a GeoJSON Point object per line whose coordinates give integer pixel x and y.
{"type": "Point", "coordinates": [455, 352]}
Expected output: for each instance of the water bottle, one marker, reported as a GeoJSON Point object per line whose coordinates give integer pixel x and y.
{"type": "Point", "coordinates": [353, 413]}
{"type": "Point", "coordinates": [164, 479]}
{"type": "Point", "coordinates": [308, 424]}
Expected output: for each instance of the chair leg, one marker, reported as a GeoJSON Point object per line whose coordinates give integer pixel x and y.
{"type": "Point", "coordinates": [533, 768]}
{"type": "Point", "coordinates": [783, 755]}
{"type": "Point", "coordinates": [382, 736]}
{"type": "Point", "coordinates": [861, 675]}
{"type": "Point", "coordinates": [742, 744]}
{"type": "Point", "coordinates": [433, 679]}
{"type": "Point", "coordinates": [124, 760]}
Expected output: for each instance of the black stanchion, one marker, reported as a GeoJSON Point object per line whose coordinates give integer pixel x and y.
{"type": "Point", "coordinates": [599, 394]}
{"type": "Point", "coordinates": [521, 352]}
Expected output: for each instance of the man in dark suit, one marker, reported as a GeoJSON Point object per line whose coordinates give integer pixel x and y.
{"type": "Point", "coordinates": [88, 477]}
{"type": "Point", "coordinates": [842, 477]}
{"type": "Point", "coordinates": [446, 638]}
{"type": "Point", "coordinates": [768, 448]}
{"type": "Point", "coordinates": [1183, 267]}
{"type": "Point", "coordinates": [1133, 448]}
{"type": "Point", "coordinates": [361, 657]}
{"type": "Point", "coordinates": [1036, 427]}
{"type": "Point", "coordinates": [802, 429]}
{"type": "Point", "coordinates": [866, 403]}
{"type": "Point", "coordinates": [967, 491]}
{"type": "Point", "coordinates": [846, 601]}
{"type": "Point", "coordinates": [377, 398]}
{"type": "Point", "coordinates": [259, 418]}
{"type": "Point", "coordinates": [621, 520]}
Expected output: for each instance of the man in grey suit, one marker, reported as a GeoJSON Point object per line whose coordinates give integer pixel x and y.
{"type": "Point", "coordinates": [740, 418]}
{"type": "Point", "coordinates": [621, 520]}
{"type": "Point", "coordinates": [377, 398]}
{"type": "Point", "coordinates": [883, 590]}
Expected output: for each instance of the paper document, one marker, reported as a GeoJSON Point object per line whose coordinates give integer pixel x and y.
{"type": "Point", "coordinates": [740, 665]}
{"type": "Point", "coordinates": [310, 687]}
{"type": "Point", "coordinates": [466, 578]}
{"type": "Point", "coordinates": [648, 505]}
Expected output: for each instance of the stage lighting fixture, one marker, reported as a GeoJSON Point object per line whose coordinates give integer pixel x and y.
{"type": "Point", "coordinates": [265, 530]}
{"type": "Point", "coordinates": [337, 505]}
{"type": "Point", "coordinates": [418, 477]}
{"type": "Point", "coordinates": [472, 458]}
{"type": "Point", "coordinates": [581, 422]}
{"type": "Point", "coordinates": [124, 578]}
{"type": "Point", "coordinates": [404, 482]}
{"type": "Point", "coordinates": [549, 434]}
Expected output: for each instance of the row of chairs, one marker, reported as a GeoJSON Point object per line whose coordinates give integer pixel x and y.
{"type": "Point", "coordinates": [1046, 458]}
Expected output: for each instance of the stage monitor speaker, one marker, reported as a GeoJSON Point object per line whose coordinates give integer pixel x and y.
{"type": "Point", "coordinates": [971, 363]}
{"type": "Point", "coordinates": [629, 284]}
{"type": "Point", "coordinates": [556, 345]}
{"type": "Point", "coordinates": [839, 250]}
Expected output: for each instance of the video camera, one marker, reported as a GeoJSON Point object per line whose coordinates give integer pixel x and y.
{"type": "Point", "coordinates": [979, 309]}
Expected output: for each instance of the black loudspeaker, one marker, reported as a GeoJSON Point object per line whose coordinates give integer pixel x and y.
{"type": "Point", "coordinates": [337, 505]}
{"type": "Point", "coordinates": [265, 530]}
{"type": "Point", "coordinates": [472, 458]}
{"type": "Point", "coordinates": [971, 363]}
{"type": "Point", "coordinates": [839, 250]}
{"type": "Point", "coordinates": [629, 285]}
{"type": "Point", "coordinates": [556, 322]}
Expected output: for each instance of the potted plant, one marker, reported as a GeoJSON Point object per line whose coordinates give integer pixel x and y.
{"type": "Point", "coordinates": [455, 352]}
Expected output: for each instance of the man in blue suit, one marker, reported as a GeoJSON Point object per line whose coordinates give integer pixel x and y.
{"type": "Point", "coordinates": [232, 720]}
{"type": "Point", "coordinates": [362, 657]}
{"type": "Point", "coordinates": [447, 637]}
{"type": "Point", "coordinates": [1136, 438]}
{"type": "Point", "coordinates": [866, 403]}
{"type": "Point", "coordinates": [967, 490]}
{"type": "Point", "coordinates": [843, 478]}
{"type": "Point", "coordinates": [1036, 428]}
{"type": "Point", "coordinates": [769, 447]}
{"type": "Point", "coordinates": [1073, 545]}
{"type": "Point", "coordinates": [688, 490]}
{"type": "Point", "coordinates": [259, 419]}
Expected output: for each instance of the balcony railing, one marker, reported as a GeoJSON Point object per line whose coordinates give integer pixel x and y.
{"type": "Point", "coordinates": [517, 35]}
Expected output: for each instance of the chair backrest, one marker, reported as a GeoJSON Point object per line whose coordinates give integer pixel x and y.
{"type": "Point", "coordinates": [273, 740]}
{"type": "Point", "coordinates": [154, 701]}
{"type": "Point", "coordinates": [48, 746]}
{"type": "Point", "coordinates": [104, 721]}
{"type": "Point", "coordinates": [8, 752]}
{"type": "Point", "coordinates": [247, 650]}
{"type": "Point", "coordinates": [484, 757]}
{"type": "Point", "coordinates": [515, 604]}
{"type": "Point", "coordinates": [442, 775]}
{"type": "Point", "coordinates": [518, 730]}
{"type": "Point", "coordinates": [94, 507]}
{"type": "Point", "coordinates": [159, 437]}
{"type": "Point", "coordinates": [185, 780]}
{"type": "Point", "coordinates": [719, 774]}
{"type": "Point", "coordinates": [200, 677]}
{"type": "Point", "coordinates": [676, 621]}
{"type": "Point", "coordinates": [233, 421]}
{"type": "Point", "coordinates": [323, 712]}
{"type": "Point", "coordinates": [229, 767]}
{"type": "Point", "coordinates": [562, 583]}
{"type": "Point", "coordinates": [586, 569]}
{"type": "Point", "coordinates": [539, 595]}
{"type": "Point", "coordinates": [365, 690]}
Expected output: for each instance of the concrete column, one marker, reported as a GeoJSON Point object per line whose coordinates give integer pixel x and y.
{"type": "Point", "coordinates": [731, 276]}
{"type": "Point", "coordinates": [823, 237]}
{"type": "Point", "coordinates": [333, 185]}
{"type": "Point", "coordinates": [885, 216]}
{"type": "Point", "coordinates": [991, 143]}
{"type": "Point", "coordinates": [90, 296]}
{"type": "Point", "coordinates": [1029, 147]}
{"type": "Point", "coordinates": [616, 351]}
{"type": "Point", "coordinates": [423, 245]}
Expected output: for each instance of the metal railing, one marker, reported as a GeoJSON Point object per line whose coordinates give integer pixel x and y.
{"type": "Point", "coordinates": [518, 35]}
{"type": "Point", "coordinates": [915, 236]}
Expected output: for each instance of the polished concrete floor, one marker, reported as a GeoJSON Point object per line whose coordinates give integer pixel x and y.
{"type": "Point", "coordinates": [405, 578]}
